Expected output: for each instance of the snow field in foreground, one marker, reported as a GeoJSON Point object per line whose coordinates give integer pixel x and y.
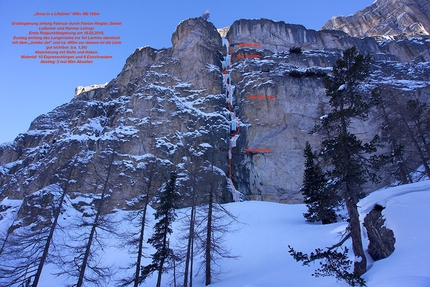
{"type": "Point", "coordinates": [265, 230]}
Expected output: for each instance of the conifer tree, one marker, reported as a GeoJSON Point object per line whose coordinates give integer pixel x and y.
{"type": "Point", "coordinates": [320, 199]}
{"type": "Point", "coordinates": [343, 151]}
{"type": "Point", "coordinates": [165, 214]}
{"type": "Point", "coordinates": [348, 159]}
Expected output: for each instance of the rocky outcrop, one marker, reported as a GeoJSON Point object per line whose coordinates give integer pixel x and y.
{"type": "Point", "coordinates": [401, 27]}
{"type": "Point", "coordinates": [79, 89]}
{"type": "Point", "coordinates": [195, 58]}
{"type": "Point", "coordinates": [406, 18]}
{"type": "Point", "coordinates": [198, 48]}
{"type": "Point", "coordinates": [223, 31]}
{"type": "Point", "coordinates": [381, 238]}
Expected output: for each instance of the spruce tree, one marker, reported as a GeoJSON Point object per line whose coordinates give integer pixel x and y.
{"type": "Point", "coordinates": [348, 160]}
{"type": "Point", "coordinates": [320, 199]}
{"type": "Point", "coordinates": [347, 155]}
{"type": "Point", "coordinates": [165, 214]}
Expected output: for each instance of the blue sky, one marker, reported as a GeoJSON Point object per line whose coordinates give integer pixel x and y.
{"type": "Point", "coordinates": [29, 89]}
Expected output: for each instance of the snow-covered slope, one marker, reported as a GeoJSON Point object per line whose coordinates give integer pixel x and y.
{"type": "Point", "coordinates": [264, 230]}
{"type": "Point", "coordinates": [407, 212]}
{"type": "Point", "coordinates": [269, 228]}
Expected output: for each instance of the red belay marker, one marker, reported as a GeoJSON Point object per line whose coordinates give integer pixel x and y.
{"type": "Point", "coordinates": [260, 97]}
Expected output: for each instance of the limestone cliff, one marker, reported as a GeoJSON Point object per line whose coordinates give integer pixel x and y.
{"type": "Point", "coordinates": [405, 18]}
{"type": "Point", "coordinates": [165, 107]}
{"type": "Point", "coordinates": [402, 27]}
{"type": "Point", "coordinates": [279, 96]}
{"type": "Point", "coordinates": [279, 36]}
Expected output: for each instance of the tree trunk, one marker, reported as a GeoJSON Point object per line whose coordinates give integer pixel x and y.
{"type": "Point", "coordinates": [189, 246]}
{"type": "Point", "coordinates": [87, 253]}
{"type": "Point", "coordinates": [208, 250]}
{"type": "Point", "coordinates": [360, 265]}
{"type": "Point", "coordinates": [163, 257]}
{"type": "Point", "coordinates": [140, 249]}
{"type": "Point", "coordinates": [192, 260]}
{"type": "Point", "coordinates": [160, 272]}
{"type": "Point", "coordinates": [351, 200]}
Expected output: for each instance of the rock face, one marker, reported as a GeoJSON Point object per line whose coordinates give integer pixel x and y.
{"type": "Point", "coordinates": [414, 50]}
{"type": "Point", "coordinates": [279, 96]}
{"type": "Point", "coordinates": [401, 26]}
{"type": "Point", "coordinates": [381, 238]}
{"type": "Point", "coordinates": [167, 110]}
{"type": "Point", "coordinates": [279, 37]}
{"type": "Point", "coordinates": [405, 18]}
{"type": "Point", "coordinates": [166, 107]}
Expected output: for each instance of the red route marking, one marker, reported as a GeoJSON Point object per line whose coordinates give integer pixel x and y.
{"type": "Point", "coordinates": [255, 97]}
{"type": "Point", "coordinates": [249, 44]}
{"type": "Point", "coordinates": [258, 150]}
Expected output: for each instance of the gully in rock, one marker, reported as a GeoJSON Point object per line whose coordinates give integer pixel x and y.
{"type": "Point", "coordinates": [235, 125]}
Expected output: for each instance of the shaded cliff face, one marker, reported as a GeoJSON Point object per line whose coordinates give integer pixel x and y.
{"type": "Point", "coordinates": [386, 18]}
{"type": "Point", "coordinates": [167, 110]}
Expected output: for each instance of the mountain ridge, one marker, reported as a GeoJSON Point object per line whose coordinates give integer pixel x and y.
{"type": "Point", "coordinates": [386, 19]}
